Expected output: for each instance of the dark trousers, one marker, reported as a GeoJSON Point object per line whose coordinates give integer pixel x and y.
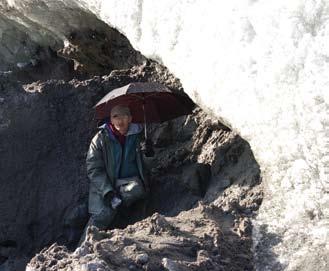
{"type": "Point", "coordinates": [120, 217]}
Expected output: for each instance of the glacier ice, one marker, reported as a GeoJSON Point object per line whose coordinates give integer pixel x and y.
{"type": "Point", "coordinates": [262, 68]}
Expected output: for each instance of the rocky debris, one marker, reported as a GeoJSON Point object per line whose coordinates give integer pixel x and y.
{"type": "Point", "coordinates": [171, 265]}
{"type": "Point", "coordinates": [98, 52]}
{"type": "Point", "coordinates": [142, 258]}
{"type": "Point", "coordinates": [46, 64]}
{"type": "Point", "coordinates": [198, 239]}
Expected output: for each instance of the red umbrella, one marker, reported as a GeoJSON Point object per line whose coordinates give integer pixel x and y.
{"type": "Point", "coordinates": [148, 103]}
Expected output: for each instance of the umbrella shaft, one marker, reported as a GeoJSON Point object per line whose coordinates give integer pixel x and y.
{"type": "Point", "coordinates": [145, 131]}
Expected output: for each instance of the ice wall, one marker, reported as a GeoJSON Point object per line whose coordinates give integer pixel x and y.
{"type": "Point", "coordinates": [262, 68]}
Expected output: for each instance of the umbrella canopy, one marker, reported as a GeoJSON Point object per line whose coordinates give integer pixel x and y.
{"type": "Point", "coordinates": [148, 103]}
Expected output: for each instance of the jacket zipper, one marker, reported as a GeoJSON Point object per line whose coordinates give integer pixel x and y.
{"type": "Point", "coordinates": [122, 158]}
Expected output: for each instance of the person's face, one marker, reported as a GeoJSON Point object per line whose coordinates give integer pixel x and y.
{"type": "Point", "coordinates": [121, 123]}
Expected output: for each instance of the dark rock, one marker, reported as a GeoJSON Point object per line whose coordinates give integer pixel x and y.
{"type": "Point", "coordinates": [197, 177]}
{"type": "Point", "coordinates": [162, 136]}
{"type": "Point", "coordinates": [142, 258]}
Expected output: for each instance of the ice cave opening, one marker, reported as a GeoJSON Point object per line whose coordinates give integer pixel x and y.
{"type": "Point", "coordinates": [46, 127]}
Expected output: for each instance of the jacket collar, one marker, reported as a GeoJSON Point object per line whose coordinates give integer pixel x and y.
{"type": "Point", "coordinates": [134, 128]}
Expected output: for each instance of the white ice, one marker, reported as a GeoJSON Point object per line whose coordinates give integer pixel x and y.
{"type": "Point", "coordinates": [262, 68]}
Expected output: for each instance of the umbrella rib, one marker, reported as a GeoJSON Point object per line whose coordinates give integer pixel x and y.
{"type": "Point", "coordinates": [143, 98]}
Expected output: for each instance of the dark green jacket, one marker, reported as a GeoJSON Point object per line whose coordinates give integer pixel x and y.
{"type": "Point", "coordinates": [103, 163]}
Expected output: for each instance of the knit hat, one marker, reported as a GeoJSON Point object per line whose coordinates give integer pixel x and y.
{"type": "Point", "coordinates": [120, 110]}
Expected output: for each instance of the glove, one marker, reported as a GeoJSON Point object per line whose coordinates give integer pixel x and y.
{"type": "Point", "coordinates": [147, 148]}
{"type": "Point", "coordinates": [115, 202]}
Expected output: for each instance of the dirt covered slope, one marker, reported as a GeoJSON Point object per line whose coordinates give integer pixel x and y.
{"type": "Point", "coordinates": [205, 189]}
{"type": "Point", "coordinates": [199, 239]}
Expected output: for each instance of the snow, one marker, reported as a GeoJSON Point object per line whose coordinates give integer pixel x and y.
{"type": "Point", "coordinates": [262, 68]}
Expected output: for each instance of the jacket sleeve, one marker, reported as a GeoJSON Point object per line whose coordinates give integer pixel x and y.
{"type": "Point", "coordinates": [96, 171]}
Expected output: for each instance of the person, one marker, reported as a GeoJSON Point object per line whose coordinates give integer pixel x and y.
{"type": "Point", "coordinates": [114, 165]}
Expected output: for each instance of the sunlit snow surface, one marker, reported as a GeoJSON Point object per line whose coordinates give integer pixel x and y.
{"type": "Point", "coordinates": [263, 68]}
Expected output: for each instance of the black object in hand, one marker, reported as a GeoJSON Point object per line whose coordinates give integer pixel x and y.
{"type": "Point", "coordinates": [147, 148]}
